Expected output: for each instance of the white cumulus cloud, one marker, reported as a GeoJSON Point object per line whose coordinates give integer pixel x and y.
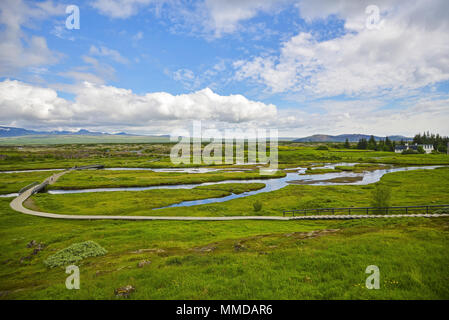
{"type": "Point", "coordinates": [18, 51]}
{"type": "Point", "coordinates": [409, 50]}
{"type": "Point", "coordinates": [108, 106]}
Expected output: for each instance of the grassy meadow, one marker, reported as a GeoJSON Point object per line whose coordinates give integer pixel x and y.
{"type": "Point", "coordinates": [221, 259]}
{"type": "Point", "coordinates": [418, 187]}
{"type": "Point", "coordinates": [228, 260]}
{"type": "Point", "coordinates": [13, 182]}
{"type": "Point", "coordinates": [141, 178]}
{"type": "Point", "coordinates": [157, 155]}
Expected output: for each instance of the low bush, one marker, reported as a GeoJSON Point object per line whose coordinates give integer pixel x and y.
{"type": "Point", "coordinates": [441, 211]}
{"type": "Point", "coordinates": [75, 253]}
{"type": "Point", "coordinates": [410, 151]}
{"type": "Point", "coordinates": [257, 206]}
{"type": "Point", "coordinates": [381, 196]}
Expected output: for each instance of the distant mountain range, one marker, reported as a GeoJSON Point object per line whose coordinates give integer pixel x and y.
{"type": "Point", "coordinates": [17, 132]}
{"type": "Point", "coordinates": [350, 137]}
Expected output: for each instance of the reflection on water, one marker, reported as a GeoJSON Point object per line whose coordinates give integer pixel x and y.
{"type": "Point", "coordinates": [333, 165]}
{"type": "Point", "coordinates": [367, 176]}
{"type": "Point", "coordinates": [273, 184]}
{"type": "Point", "coordinates": [180, 170]}
{"type": "Point", "coordinates": [31, 170]}
{"type": "Point", "coordinates": [9, 195]}
{"type": "Point", "coordinates": [278, 183]}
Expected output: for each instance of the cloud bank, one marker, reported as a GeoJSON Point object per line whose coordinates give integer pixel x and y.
{"type": "Point", "coordinates": [107, 106]}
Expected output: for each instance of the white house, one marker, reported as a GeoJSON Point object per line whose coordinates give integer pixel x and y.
{"type": "Point", "coordinates": [428, 148]}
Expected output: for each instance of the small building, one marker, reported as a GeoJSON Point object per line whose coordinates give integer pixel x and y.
{"type": "Point", "coordinates": [428, 148]}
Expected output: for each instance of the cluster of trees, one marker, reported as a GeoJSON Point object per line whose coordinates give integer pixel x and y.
{"type": "Point", "coordinates": [439, 142]}
{"type": "Point", "coordinates": [372, 144]}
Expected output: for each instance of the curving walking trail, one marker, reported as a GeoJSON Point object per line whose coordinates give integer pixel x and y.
{"type": "Point", "coordinates": [17, 205]}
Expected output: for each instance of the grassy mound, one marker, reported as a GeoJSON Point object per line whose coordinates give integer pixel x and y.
{"type": "Point", "coordinates": [75, 253]}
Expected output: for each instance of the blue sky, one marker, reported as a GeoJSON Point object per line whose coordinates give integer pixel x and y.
{"type": "Point", "coordinates": [303, 67]}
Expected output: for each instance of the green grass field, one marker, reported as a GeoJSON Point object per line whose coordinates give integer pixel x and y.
{"type": "Point", "coordinates": [79, 139]}
{"type": "Point", "coordinates": [157, 156]}
{"type": "Point", "coordinates": [228, 260]}
{"type": "Point", "coordinates": [131, 178]}
{"type": "Point", "coordinates": [13, 182]}
{"type": "Point", "coordinates": [221, 259]}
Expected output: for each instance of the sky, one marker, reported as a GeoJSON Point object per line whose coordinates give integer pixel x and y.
{"type": "Point", "coordinates": [152, 66]}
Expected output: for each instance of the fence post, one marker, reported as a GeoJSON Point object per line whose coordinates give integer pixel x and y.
{"type": "Point", "coordinates": [427, 209]}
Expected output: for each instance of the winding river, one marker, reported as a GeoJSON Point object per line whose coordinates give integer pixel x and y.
{"type": "Point", "coordinates": [297, 176]}
{"type": "Point", "coordinates": [294, 175]}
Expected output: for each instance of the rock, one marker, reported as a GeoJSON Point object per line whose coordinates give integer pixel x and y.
{"type": "Point", "coordinates": [39, 247]}
{"type": "Point", "coordinates": [124, 291]}
{"type": "Point", "coordinates": [149, 250]}
{"type": "Point", "coordinates": [102, 272]}
{"type": "Point", "coordinates": [143, 263]}
{"type": "Point", "coordinates": [4, 293]}
{"type": "Point", "coordinates": [208, 248]}
{"type": "Point", "coordinates": [32, 243]}
{"type": "Point", "coordinates": [22, 260]}
{"type": "Point", "coordinates": [239, 247]}
{"type": "Point", "coordinates": [311, 234]}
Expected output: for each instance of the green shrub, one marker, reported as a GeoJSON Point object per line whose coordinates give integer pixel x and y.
{"type": "Point", "coordinates": [381, 196]}
{"type": "Point", "coordinates": [75, 253]}
{"type": "Point", "coordinates": [175, 261]}
{"type": "Point", "coordinates": [257, 206]}
{"type": "Point", "coordinates": [441, 211]}
{"type": "Point", "coordinates": [322, 148]}
{"type": "Point", "coordinates": [409, 151]}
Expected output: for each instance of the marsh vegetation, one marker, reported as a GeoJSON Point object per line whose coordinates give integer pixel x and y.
{"type": "Point", "coordinates": [223, 260]}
